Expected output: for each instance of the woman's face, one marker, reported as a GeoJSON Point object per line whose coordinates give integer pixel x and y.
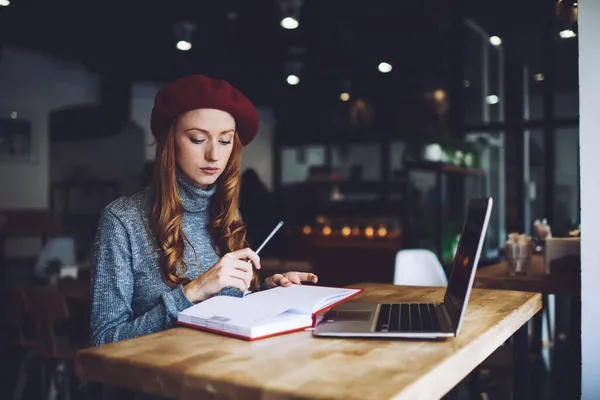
{"type": "Point", "coordinates": [203, 145]}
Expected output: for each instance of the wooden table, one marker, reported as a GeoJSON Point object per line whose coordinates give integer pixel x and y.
{"type": "Point", "coordinates": [190, 364]}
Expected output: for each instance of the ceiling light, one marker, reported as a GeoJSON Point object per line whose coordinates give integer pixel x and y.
{"type": "Point", "coordinates": [290, 11]}
{"type": "Point", "coordinates": [184, 32]}
{"type": "Point", "coordinates": [293, 79]}
{"type": "Point", "coordinates": [492, 99]}
{"type": "Point", "coordinates": [183, 45]}
{"type": "Point", "coordinates": [495, 41]}
{"type": "Point", "coordinates": [567, 34]}
{"type": "Point", "coordinates": [289, 23]}
{"type": "Point", "coordinates": [345, 96]}
{"type": "Point", "coordinates": [4, 3]}
{"type": "Point", "coordinates": [538, 77]}
{"type": "Point", "coordinates": [385, 67]}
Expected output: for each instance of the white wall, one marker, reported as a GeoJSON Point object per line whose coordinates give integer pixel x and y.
{"type": "Point", "coordinates": [259, 153]}
{"type": "Point", "coordinates": [589, 87]}
{"type": "Point", "coordinates": [142, 100]}
{"type": "Point", "coordinates": [34, 85]}
{"type": "Point", "coordinates": [87, 158]}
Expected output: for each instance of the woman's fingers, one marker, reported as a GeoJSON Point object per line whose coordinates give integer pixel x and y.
{"type": "Point", "coordinates": [293, 277]}
{"type": "Point", "coordinates": [299, 277]}
{"type": "Point", "coordinates": [242, 266]}
{"type": "Point", "coordinates": [239, 279]}
{"type": "Point", "coordinates": [247, 254]}
{"type": "Point", "coordinates": [277, 280]}
{"type": "Point", "coordinates": [283, 281]}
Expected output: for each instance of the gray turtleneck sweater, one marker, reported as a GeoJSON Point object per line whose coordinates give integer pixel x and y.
{"type": "Point", "coordinates": [129, 295]}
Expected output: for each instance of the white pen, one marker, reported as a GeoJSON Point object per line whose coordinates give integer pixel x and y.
{"type": "Point", "coordinates": [279, 225]}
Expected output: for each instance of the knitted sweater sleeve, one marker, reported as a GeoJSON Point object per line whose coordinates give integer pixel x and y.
{"type": "Point", "coordinates": [112, 318]}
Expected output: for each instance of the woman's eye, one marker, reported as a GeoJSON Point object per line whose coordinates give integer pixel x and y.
{"type": "Point", "coordinates": [225, 143]}
{"type": "Point", "coordinates": [196, 141]}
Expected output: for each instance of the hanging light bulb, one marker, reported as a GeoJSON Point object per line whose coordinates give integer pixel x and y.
{"type": "Point", "coordinates": [384, 67]}
{"type": "Point", "coordinates": [293, 79]}
{"type": "Point", "coordinates": [289, 23]}
{"type": "Point", "coordinates": [183, 35]}
{"type": "Point", "coordinates": [290, 13]}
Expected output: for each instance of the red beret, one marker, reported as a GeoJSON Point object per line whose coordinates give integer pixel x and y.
{"type": "Point", "coordinates": [198, 91]}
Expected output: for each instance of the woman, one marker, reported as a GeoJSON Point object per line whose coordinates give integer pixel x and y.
{"type": "Point", "coordinates": [180, 240]}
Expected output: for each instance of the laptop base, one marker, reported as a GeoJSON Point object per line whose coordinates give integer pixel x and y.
{"type": "Point", "coordinates": [363, 320]}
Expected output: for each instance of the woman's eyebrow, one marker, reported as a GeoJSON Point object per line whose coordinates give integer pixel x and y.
{"type": "Point", "coordinates": [207, 132]}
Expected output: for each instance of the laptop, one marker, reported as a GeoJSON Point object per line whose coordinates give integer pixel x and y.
{"type": "Point", "coordinates": [419, 320]}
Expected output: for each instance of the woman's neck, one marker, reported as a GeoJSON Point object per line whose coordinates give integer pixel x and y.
{"type": "Point", "coordinates": [193, 198]}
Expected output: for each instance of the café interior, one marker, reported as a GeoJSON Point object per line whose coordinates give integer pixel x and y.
{"type": "Point", "coordinates": [379, 122]}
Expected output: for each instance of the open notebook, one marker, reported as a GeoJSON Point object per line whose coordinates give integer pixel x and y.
{"type": "Point", "coordinates": [265, 313]}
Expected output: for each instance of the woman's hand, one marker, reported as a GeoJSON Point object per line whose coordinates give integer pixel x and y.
{"type": "Point", "coordinates": [232, 270]}
{"type": "Point", "coordinates": [288, 279]}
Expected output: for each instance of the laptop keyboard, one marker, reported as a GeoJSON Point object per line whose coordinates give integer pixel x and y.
{"type": "Point", "coordinates": [407, 317]}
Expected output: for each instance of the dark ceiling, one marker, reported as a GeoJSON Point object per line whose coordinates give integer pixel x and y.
{"type": "Point", "coordinates": [241, 40]}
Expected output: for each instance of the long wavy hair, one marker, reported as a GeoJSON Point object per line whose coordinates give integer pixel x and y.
{"type": "Point", "coordinates": [227, 230]}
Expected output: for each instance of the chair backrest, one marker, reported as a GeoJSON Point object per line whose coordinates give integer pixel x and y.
{"type": "Point", "coordinates": [15, 309]}
{"type": "Point", "coordinates": [48, 308]}
{"type": "Point", "coordinates": [61, 249]}
{"type": "Point", "coordinates": [419, 267]}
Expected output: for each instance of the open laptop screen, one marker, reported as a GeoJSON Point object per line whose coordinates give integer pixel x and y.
{"type": "Point", "coordinates": [467, 254]}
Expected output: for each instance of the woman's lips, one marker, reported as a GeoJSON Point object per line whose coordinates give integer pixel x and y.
{"type": "Point", "coordinates": [209, 170]}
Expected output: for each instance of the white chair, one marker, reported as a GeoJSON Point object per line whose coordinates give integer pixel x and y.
{"type": "Point", "coordinates": [61, 249]}
{"type": "Point", "coordinates": [419, 267]}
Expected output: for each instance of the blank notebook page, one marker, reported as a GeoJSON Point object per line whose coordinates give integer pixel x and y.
{"type": "Point", "coordinates": [303, 298]}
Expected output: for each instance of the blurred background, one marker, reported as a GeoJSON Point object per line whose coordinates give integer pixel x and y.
{"type": "Point", "coordinates": [379, 121]}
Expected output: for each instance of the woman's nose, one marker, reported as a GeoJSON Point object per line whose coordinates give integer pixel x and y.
{"type": "Point", "coordinates": [212, 152]}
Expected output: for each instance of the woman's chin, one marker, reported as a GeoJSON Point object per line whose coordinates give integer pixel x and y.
{"type": "Point", "coordinates": [204, 182]}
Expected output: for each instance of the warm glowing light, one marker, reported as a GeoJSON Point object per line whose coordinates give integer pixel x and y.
{"type": "Point", "coordinates": [439, 95]}
{"type": "Point", "coordinates": [538, 77]}
{"type": "Point", "coordinates": [369, 231]}
{"type": "Point", "coordinates": [345, 96]}
{"type": "Point", "coordinates": [306, 230]}
{"type": "Point", "coordinates": [326, 230]}
{"type": "Point", "coordinates": [346, 231]}
{"type": "Point", "coordinates": [320, 219]}
{"type": "Point", "coordinates": [356, 231]}
{"type": "Point", "coordinates": [382, 231]}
